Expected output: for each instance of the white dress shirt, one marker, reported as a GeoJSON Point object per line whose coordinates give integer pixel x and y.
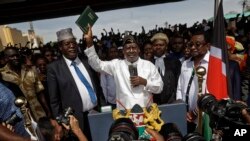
{"type": "Point", "coordinates": [186, 72]}
{"type": "Point", "coordinates": [159, 63]}
{"type": "Point", "coordinates": [126, 95]}
{"type": "Point", "coordinates": [86, 101]}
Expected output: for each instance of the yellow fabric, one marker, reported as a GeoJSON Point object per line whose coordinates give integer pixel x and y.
{"type": "Point", "coordinates": [231, 43]}
{"type": "Point", "coordinates": [239, 46]}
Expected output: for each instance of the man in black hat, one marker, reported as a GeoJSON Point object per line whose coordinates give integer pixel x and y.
{"type": "Point", "coordinates": [136, 79]}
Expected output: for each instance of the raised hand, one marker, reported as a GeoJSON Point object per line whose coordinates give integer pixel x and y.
{"type": "Point", "coordinates": [88, 37]}
{"type": "Point", "coordinates": [157, 136]}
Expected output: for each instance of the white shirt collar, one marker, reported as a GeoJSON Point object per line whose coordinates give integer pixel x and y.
{"type": "Point", "coordinates": [205, 58]}
{"type": "Point", "coordinates": [68, 62]}
{"type": "Point", "coordinates": [163, 56]}
{"type": "Point", "coordinates": [129, 63]}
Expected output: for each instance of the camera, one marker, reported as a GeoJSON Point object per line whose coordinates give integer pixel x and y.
{"type": "Point", "coordinates": [194, 136]}
{"type": "Point", "coordinates": [64, 118]}
{"type": "Point", "coordinates": [13, 120]}
{"type": "Point", "coordinates": [123, 129]}
{"type": "Point", "coordinates": [223, 114]}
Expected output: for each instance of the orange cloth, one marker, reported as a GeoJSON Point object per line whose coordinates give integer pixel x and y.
{"type": "Point", "coordinates": [234, 46]}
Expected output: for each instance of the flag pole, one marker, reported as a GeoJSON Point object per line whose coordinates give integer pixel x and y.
{"type": "Point", "coordinates": [216, 5]}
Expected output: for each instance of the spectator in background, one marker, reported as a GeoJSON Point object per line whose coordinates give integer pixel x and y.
{"type": "Point", "coordinates": [186, 54]}
{"type": "Point", "coordinates": [120, 52]}
{"type": "Point", "coordinates": [26, 78]}
{"type": "Point", "coordinates": [12, 86]}
{"type": "Point", "coordinates": [108, 82]}
{"type": "Point", "coordinates": [234, 69]}
{"type": "Point", "coordinates": [49, 55]}
{"type": "Point", "coordinates": [7, 110]}
{"type": "Point", "coordinates": [176, 47]}
{"type": "Point", "coordinates": [169, 69]}
{"type": "Point", "coordinates": [147, 50]}
{"type": "Point", "coordinates": [41, 65]}
{"type": "Point", "coordinates": [26, 56]}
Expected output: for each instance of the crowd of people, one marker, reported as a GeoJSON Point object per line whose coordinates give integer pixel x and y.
{"type": "Point", "coordinates": [92, 73]}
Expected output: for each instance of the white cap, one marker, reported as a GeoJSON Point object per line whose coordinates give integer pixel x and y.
{"type": "Point", "coordinates": [64, 34]}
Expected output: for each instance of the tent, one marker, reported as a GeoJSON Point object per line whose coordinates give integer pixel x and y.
{"type": "Point", "coordinates": [232, 15]}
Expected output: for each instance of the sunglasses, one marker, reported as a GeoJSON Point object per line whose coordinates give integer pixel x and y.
{"type": "Point", "coordinates": [196, 44]}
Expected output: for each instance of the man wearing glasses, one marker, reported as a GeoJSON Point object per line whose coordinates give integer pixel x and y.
{"type": "Point", "coordinates": [187, 89]}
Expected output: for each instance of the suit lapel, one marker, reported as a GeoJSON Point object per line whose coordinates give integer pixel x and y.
{"type": "Point", "coordinates": [68, 77]}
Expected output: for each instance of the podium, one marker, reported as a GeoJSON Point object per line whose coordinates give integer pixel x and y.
{"type": "Point", "coordinates": [101, 122]}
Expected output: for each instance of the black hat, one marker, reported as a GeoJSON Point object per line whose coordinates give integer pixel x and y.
{"type": "Point", "coordinates": [128, 39]}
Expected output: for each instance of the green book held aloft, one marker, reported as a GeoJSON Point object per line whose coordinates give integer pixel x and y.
{"type": "Point", "coordinates": [88, 16]}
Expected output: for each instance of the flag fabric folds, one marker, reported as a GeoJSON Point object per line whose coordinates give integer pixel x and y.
{"type": "Point", "coordinates": [218, 81]}
{"type": "Point", "coordinates": [217, 78]}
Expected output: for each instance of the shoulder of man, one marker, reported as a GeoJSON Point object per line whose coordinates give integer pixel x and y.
{"type": "Point", "coordinates": [172, 61]}
{"type": "Point", "coordinates": [56, 62]}
{"type": "Point", "coordinates": [3, 68]}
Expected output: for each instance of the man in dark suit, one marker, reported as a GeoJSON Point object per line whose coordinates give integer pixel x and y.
{"type": "Point", "coordinates": [234, 70]}
{"type": "Point", "coordinates": [168, 67]}
{"type": "Point", "coordinates": [68, 88]}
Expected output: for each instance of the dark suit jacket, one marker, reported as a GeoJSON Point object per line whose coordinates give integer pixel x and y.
{"type": "Point", "coordinates": [235, 77]}
{"type": "Point", "coordinates": [170, 80]}
{"type": "Point", "coordinates": [63, 90]}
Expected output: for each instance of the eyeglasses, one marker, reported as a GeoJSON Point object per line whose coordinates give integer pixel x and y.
{"type": "Point", "coordinates": [196, 44]}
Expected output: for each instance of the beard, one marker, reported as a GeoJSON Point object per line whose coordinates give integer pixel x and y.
{"type": "Point", "coordinates": [131, 59]}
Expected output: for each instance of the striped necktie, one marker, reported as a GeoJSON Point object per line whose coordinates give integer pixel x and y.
{"type": "Point", "coordinates": [85, 82]}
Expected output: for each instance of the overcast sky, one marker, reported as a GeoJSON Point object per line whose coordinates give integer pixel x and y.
{"type": "Point", "coordinates": [188, 11]}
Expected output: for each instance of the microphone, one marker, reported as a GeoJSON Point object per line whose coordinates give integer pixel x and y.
{"type": "Point", "coordinates": [132, 70]}
{"type": "Point", "coordinates": [170, 131]}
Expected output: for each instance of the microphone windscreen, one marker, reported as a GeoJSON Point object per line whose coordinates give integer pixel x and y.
{"type": "Point", "coordinates": [132, 70]}
{"type": "Point", "coordinates": [170, 131]}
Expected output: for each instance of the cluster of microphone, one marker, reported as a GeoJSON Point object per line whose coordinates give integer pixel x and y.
{"type": "Point", "coordinates": [123, 129]}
